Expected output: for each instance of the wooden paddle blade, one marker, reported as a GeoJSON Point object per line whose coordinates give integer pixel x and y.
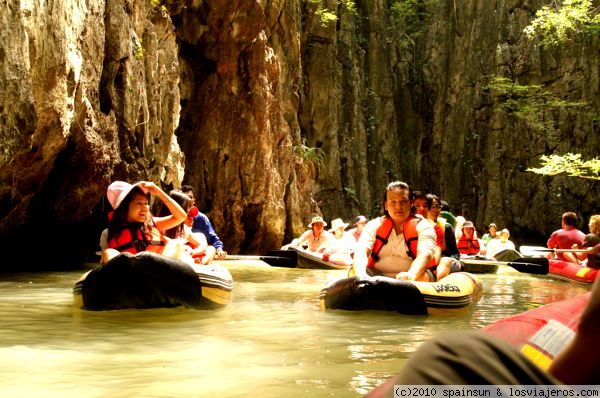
{"type": "Point", "coordinates": [531, 265]}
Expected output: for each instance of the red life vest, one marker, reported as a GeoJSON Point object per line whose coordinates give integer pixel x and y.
{"type": "Point", "coordinates": [411, 237]}
{"type": "Point", "coordinates": [132, 240]}
{"type": "Point", "coordinates": [468, 246]}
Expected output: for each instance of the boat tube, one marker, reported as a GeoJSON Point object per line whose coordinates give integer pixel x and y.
{"type": "Point", "coordinates": [149, 280]}
{"type": "Point", "coordinates": [542, 333]}
{"type": "Point", "coordinates": [569, 271]}
{"type": "Point", "coordinates": [457, 290]}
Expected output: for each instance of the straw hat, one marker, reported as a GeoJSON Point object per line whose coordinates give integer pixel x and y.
{"type": "Point", "coordinates": [468, 224]}
{"type": "Point", "coordinates": [118, 190]}
{"type": "Point", "coordinates": [360, 219]}
{"type": "Point", "coordinates": [317, 219]}
{"type": "Point", "coordinates": [338, 223]}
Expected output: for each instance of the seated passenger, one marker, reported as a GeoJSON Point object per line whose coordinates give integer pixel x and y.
{"type": "Point", "coordinates": [448, 260]}
{"type": "Point", "coordinates": [449, 249]}
{"type": "Point", "coordinates": [191, 244]}
{"type": "Point", "coordinates": [399, 244]}
{"type": "Point", "coordinates": [359, 225]}
{"type": "Point", "coordinates": [468, 244]}
{"type": "Point", "coordinates": [202, 224]}
{"type": "Point", "coordinates": [314, 240]}
{"type": "Point", "coordinates": [591, 239]}
{"type": "Point", "coordinates": [460, 220]}
{"type": "Point", "coordinates": [566, 237]}
{"type": "Point", "coordinates": [341, 247]}
{"type": "Point", "coordinates": [497, 245]}
{"type": "Point", "coordinates": [488, 236]}
{"type": "Point", "coordinates": [132, 227]}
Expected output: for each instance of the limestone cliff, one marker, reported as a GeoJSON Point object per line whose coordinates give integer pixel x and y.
{"type": "Point", "coordinates": [218, 94]}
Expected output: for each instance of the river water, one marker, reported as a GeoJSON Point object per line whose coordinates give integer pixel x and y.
{"type": "Point", "coordinates": [271, 341]}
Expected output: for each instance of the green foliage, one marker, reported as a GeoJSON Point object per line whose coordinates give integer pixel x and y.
{"type": "Point", "coordinates": [571, 164]}
{"type": "Point", "coordinates": [528, 103]}
{"type": "Point", "coordinates": [327, 16]}
{"type": "Point", "coordinates": [138, 49]}
{"type": "Point", "coordinates": [309, 155]}
{"type": "Point", "coordinates": [351, 194]}
{"type": "Point", "coordinates": [409, 20]}
{"type": "Point", "coordinates": [555, 24]}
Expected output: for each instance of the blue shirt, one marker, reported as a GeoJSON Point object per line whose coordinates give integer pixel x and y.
{"type": "Point", "coordinates": [202, 224]}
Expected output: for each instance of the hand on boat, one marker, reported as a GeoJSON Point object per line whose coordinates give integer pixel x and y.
{"type": "Point", "coordinates": [220, 254]}
{"type": "Point", "coordinates": [405, 276]}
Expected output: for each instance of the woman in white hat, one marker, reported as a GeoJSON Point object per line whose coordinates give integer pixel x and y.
{"type": "Point", "coordinates": [132, 228]}
{"type": "Point", "coordinates": [341, 248]}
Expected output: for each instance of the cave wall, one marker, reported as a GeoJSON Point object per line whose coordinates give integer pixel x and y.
{"type": "Point", "coordinates": [427, 116]}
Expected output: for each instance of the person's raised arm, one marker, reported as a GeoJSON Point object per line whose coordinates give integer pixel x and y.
{"type": "Point", "coordinates": [177, 216]}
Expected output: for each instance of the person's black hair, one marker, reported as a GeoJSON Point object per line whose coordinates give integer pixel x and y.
{"type": "Point", "coordinates": [420, 194]}
{"type": "Point", "coordinates": [182, 200]}
{"type": "Point", "coordinates": [398, 186]}
{"type": "Point", "coordinates": [445, 205]}
{"type": "Point", "coordinates": [431, 197]}
{"type": "Point", "coordinates": [187, 188]}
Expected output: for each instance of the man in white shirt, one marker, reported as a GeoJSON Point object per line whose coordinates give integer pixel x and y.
{"type": "Point", "coordinates": [399, 244]}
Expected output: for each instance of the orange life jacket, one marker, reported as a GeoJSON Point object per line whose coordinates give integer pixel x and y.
{"type": "Point", "coordinates": [411, 237]}
{"type": "Point", "coordinates": [132, 240]}
{"type": "Point", "coordinates": [468, 246]}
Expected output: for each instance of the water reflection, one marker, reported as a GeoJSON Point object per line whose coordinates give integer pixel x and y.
{"type": "Point", "coordinates": [272, 339]}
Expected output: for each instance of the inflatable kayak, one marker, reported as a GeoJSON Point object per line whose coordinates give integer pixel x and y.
{"type": "Point", "coordinates": [292, 258]}
{"type": "Point", "coordinates": [149, 280]}
{"type": "Point", "coordinates": [457, 290]}
{"type": "Point", "coordinates": [569, 271]}
{"type": "Point", "coordinates": [544, 332]}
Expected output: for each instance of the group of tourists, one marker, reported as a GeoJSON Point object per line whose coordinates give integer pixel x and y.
{"type": "Point", "coordinates": [410, 241]}
{"type": "Point", "coordinates": [178, 231]}
{"type": "Point", "coordinates": [490, 244]}
{"type": "Point", "coordinates": [569, 237]}
{"type": "Point", "coordinates": [335, 245]}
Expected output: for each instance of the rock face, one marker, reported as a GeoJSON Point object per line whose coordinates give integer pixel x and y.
{"type": "Point", "coordinates": [85, 102]}
{"type": "Point", "coordinates": [221, 94]}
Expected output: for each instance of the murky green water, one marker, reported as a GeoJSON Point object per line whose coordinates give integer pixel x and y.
{"type": "Point", "coordinates": [272, 340]}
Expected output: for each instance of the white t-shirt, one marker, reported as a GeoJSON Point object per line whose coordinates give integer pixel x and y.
{"type": "Point", "coordinates": [344, 245]}
{"type": "Point", "coordinates": [315, 244]}
{"type": "Point", "coordinates": [495, 246]}
{"type": "Point", "coordinates": [393, 257]}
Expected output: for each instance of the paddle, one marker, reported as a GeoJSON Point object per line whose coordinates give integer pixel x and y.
{"type": "Point", "coordinates": [529, 265]}
{"type": "Point", "coordinates": [538, 250]}
{"type": "Point", "coordinates": [275, 258]}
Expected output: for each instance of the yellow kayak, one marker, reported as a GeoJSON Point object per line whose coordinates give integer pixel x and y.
{"type": "Point", "coordinates": [456, 291]}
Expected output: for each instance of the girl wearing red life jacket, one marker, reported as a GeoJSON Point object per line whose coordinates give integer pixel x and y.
{"type": "Point", "coordinates": [132, 227]}
{"type": "Point", "coordinates": [468, 244]}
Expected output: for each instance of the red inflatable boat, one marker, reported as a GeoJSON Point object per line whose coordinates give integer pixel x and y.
{"type": "Point", "coordinates": [572, 272]}
{"type": "Point", "coordinates": [544, 332]}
